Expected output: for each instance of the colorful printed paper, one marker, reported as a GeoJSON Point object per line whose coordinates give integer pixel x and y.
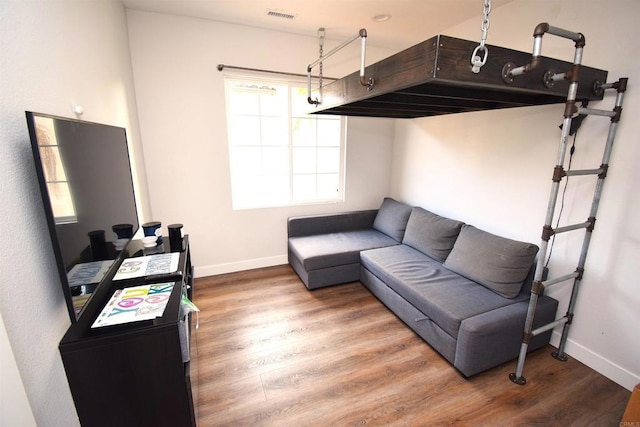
{"type": "Point", "coordinates": [134, 304]}
{"type": "Point", "coordinates": [148, 266]}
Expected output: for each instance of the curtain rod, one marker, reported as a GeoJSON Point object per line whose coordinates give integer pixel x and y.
{"type": "Point", "coordinates": [282, 73]}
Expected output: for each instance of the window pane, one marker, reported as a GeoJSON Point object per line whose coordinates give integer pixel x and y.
{"type": "Point", "coordinates": [303, 131]}
{"type": "Point", "coordinates": [274, 190]}
{"type": "Point", "coordinates": [51, 163]}
{"type": "Point", "coordinates": [329, 132]}
{"type": "Point", "coordinates": [245, 130]}
{"type": "Point", "coordinates": [273, 100]}
{"type": "Point", "coordinates": [273, 131]}
{"type": "Point", "coordinates": [45, 129]}
{"type": "Point", "coordinates": [61, 202]}
{"type": "Point", "coordinates": [260, 190]}
{"type": "Point", "coordinates": [328, 159]}
{"type": "Point", "coordinates": [246, 161]}
{"type": "Point", "coordinates": [328, 186]}
{"type": "Point", "coordinates": [304, 187]}
{"type": "Point", "coordinates": [244, 101]}
{"type": "Point", "coordinates": [304, 160]}
{"type": "Point", "coordinates": [268, 190]}
{"type": "Point", "coordinates": [275, 160]}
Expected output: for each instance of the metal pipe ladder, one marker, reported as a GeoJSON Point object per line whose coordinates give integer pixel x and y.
{"type": "Point", "coordinates": [571, 110]}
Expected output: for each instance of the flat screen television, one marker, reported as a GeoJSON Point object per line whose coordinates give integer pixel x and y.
{"type": "Point", "coordinates": [84, 174]}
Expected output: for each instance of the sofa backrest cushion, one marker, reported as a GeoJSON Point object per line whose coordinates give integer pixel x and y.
{"type": "Point", "coordinates": [495, 262]}
{"type": "Point", "coordinates": [431, 234]}
{"type": "Point", "coordinates": [392, 218]}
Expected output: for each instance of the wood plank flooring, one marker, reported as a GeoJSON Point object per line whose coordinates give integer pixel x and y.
{"type": "Point", "coordinates": [271, 353]}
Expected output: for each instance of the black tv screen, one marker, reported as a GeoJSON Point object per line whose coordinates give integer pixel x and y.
{"type": "Point", "coordinates": [85, 179]}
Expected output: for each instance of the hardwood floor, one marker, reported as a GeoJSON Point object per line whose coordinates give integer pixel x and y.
{"type": "Point", "coordinates": [271, 353]}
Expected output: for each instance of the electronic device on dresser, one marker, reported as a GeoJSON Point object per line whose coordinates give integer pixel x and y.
{"type": "Point", "coordinates": [86, 185]}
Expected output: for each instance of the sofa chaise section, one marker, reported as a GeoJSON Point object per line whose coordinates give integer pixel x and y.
{"type": "Point", "coordinates": [324, 250]}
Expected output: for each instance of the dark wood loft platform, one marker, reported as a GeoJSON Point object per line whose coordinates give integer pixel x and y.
{"type": "Point", "coordinates": [434, 77]}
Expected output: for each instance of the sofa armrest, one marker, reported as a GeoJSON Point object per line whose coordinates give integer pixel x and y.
{"type": "Point", "coordinates": [330, 223]}
{"type": "Point", "coordinates": [494, 337]}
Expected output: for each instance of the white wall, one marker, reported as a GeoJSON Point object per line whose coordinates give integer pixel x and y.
{"type": "Point", "coordinates": [14, 405]}
{"type": "Point", "coordinates": [183, 123]}
{"type": "Point", "coordinates": [55, 54]}
{"type": "Point", "coordinates": [493, 170]}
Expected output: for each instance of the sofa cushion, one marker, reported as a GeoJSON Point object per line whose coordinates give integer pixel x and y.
{"type": "Point", "coordinates": [495, 262]}
{"type": "Point", "coordinates": [333, 249]}
{"type": "Point", "coordinates": [310, 225]}
{"type": "Point", "coordinates": [442, 295]}
{"type": "Point", "coordinates": [431, 234]}
{"type": "Point", "coordinates": [392, 218]}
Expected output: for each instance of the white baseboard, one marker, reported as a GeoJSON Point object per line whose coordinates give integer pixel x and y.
{"type": "Point", "coordinates": [214, 270]}
{"type": "Point", "coordinates": [598, 363]}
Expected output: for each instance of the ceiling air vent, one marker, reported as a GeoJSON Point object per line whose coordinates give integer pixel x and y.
{"type": "Point", "coordinates": [280, 14]}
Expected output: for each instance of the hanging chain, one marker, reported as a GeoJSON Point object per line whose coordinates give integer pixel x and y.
{"type": "Point", "coordinates": [321, 35]}
{"type": "Point", "coordinates": [485, 22]}
{"type": "Point", "coordinates": [478, 61]}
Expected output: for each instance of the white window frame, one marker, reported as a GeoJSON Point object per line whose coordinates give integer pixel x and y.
{"type": "Point", "coordinates": [52, 164]}
{"type": "Point", "coordinates": [258, 183]}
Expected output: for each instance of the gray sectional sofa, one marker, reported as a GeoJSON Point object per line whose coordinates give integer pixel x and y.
{"type": "Point", "coordinates": [461, 289]}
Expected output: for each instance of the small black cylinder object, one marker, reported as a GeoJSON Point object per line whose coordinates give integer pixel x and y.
{"type": "Point", "coordinates": [175, 237]}
{"type": "Point", "coordinates": [153, 229]}
{"type": "Point", "coordinates": [98, 245]}
{"type": "Point", "coordinates": [123, 231]}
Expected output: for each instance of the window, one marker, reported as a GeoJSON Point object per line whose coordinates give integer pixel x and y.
{"type": "Point", "coordinates": [54, 174]}
{"type": "Point", "coordinates": [278, 154]}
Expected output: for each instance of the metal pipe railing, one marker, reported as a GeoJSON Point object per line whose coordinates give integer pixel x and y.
{"type": "Point", "coordinates": [368, 82]}
{"type": "Point", "coordinates": [509, 71]}
{"type": "Point", "coordinates": [222, 67]}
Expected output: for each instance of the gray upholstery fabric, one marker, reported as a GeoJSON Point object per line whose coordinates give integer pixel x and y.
{"type": "Point", "coordinates": [431, 234]}
{"type": "Point", "coordinates": [494, 337]}
{"type": "Point", "coordinates": [325, 249]}
{"type": "Point", "coordinates": [328, 250]}
{"type": "Point", "coordinates": [428, 330]}
{"type": "Point", "coordinates": [392, 218]}
{"type": "Point", "coordinates": [324, 277]}
{"type": "Point", "coordinates": [498, 263]}
{"type": "Point", "coordinates": [330, 223]}
{"type": "Point", "coordinates": [484, 341]}
{"type": "Point", "coordinates": [442, 295]}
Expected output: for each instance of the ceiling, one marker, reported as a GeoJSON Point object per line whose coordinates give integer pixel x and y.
{"type": "Point", "coordinates": [411, 21]}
